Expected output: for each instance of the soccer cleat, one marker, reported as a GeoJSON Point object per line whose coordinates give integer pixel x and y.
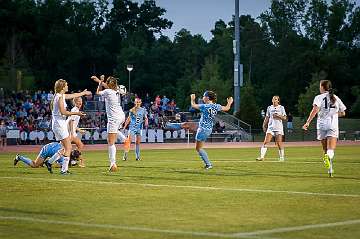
{"type": "Point", "coordinates": [331, 173]}
{"type": "Point", "coordinates": [281, 159]}
{"type": "Point", "coordinates": [124, 158]}
{"type": "Point", "coordinates": [48, 166]}
{"type": "Point", "coordinates": [326, 161]}
{"type": "Point", "coordinates": [208, 166]}
{"type": "Point", "coordinates": [113, 168]}
{"type": "Point", "coordinates": [138, 159]}
{"type": "Point", "coordinates": [259, 159]}
{"type": "Point", "coordinates": [65, 173]}
{"type": "Point", "coordinates": [16, 159]}
{"type": "Point", "coordinates": [127, 143]}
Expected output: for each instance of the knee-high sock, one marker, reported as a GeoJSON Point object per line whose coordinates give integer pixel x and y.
{"type": "Point", "coordinates": [112, 154]}
{"type": "Point", "coordinates": [204, 156]}
{"type": "Point", "coordinates": [137, 151]}
{"type": "Point", "coordinates": [65, 164]}
{"type": "Point", "coordinates": [263, 151]}
{"type": "Point", "coordinates": [281, 153]}
{"type": "Point", "coordinates": [331, 154]}
{"type": "Point", "coordinates": [55, 157]}
{"type": "Point", "coordinates": [25, 160]}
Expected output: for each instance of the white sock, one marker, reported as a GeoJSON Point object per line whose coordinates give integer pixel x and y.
{"type": "Point", "coordinates": [122, 136]}
{"type": "Point", "coordinates": [55, 157]}
{"type": "Point", "coordinates": [263, 152]}
{"type": "Point", "coordinates": [330, 153]}
{"type": "Point", "coordinates": [112, 154]}
{"type": "Point", "coordinates": [65, 164]}
{"type": "Point", "coordinates": [281, 153]}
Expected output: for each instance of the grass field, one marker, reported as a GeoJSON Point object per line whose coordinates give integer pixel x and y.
{"type": "Point", "coordinates": [169, 195]}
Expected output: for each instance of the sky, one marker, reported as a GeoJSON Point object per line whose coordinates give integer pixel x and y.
{"type": "Point", "coordinates": [199, 16]}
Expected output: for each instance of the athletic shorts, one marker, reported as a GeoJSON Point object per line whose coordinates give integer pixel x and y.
{"type": "Point", "coordinates": [323, 134]}
{"type": "Point", "coordinates": [135, 132]}
{"type": "Point", "coordinates": [60, 130]}
{"type": "Point", "coordinates": [274, 133]}
{"type": "Point", "coordinates": [202, 134]}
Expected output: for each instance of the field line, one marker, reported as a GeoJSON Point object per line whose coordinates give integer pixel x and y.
{"type": "Point", "coordinates": [189, 187]}
{"type": "Point", "coordinates": [296, 228]}
{"type": "Point", "coordinates": [110, 226]}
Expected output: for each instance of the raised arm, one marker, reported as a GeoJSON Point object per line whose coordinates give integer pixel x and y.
{"type": "Point", "coordinates": [193, 104]}
{"type": "Point", "coordinates": [75, 95]}
{"type": "Point", "coordinates": [229, 100]}
{"type": "Point", "coordinates": [312, 114]}
{"type": "Point", "coordinates": [102, 80]}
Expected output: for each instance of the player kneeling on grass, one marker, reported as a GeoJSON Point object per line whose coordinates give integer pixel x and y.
{"type": "Point", "coordinates": [48, 151]}
{"type": "Point", "coordinates": [273, 127]}
{"type": "Point", "coordinates": [208, 112]}
{"type": "Point", "coordinates": [137, 117]}
{"type": "Point", "coordinates": [73, 122]}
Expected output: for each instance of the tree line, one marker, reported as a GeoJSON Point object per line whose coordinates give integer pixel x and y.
{"type": "Point", "coordinates": [285, 51]}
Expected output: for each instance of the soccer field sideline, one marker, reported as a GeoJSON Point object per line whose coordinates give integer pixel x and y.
{"type": "Point", "coordinates": [210, 145]}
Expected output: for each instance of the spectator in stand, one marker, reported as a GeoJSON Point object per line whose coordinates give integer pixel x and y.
{"type": "Point", "coordinates": [147, 101]}
{"type": "Point", "coordinates": [290, 123]}
{"type": "Point", "coordinates": [157, 100]}
{"type": "Point", "coordinates": [3, 131]}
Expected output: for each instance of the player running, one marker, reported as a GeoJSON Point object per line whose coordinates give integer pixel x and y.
{"type": "Point", "coordinates": [273, 127]}
{"type": "Point", "coordinates": [328, 108]}
{"type": "Point", "coordinates": [136, 120]}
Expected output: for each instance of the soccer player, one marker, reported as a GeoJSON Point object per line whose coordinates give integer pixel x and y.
{"type": "Point", "coordinates": [115, 114]}
{"type": "Point", "coordinates": [273, 127]}
{"type": "Point", "coordinates": [47, 151]}
{"type": "Point", "coordinates": [72, 123]}
{"type": "Point", "coordinates": [208, 112]}
{"type": "Point", "coordinates": [136, 119]}
{"type": "Point", "coordinates": [328, 108]}
{"type": "Point", "coordinates": [59, 126]}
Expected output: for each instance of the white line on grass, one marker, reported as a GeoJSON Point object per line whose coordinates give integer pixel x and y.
{"type": "Point", "coordinates": [254, 234]}
{"type": "Point", "coordinates": [190, 187]}
{"type": "Point", "coordinates": [296, 228]}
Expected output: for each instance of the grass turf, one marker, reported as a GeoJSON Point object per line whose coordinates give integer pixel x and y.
{"type": "Point", "coordinates": [169, 195]}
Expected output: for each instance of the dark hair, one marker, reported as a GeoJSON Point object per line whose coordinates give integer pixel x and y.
{"type": "Point", "coordinates": [75, 154]}
{"type": "Point", "coordinates": [326, 85]}
{"type": "Point", "coordinates": [211, 95]}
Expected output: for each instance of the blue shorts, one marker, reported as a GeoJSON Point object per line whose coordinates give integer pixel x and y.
{"type": "Point", "coordinates": [135, 132]}
{"type": "Point", "coordinates": [44, 153]}
{"type": "Point", "coordinates": [202, 134]}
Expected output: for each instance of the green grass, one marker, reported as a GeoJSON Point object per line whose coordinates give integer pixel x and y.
{"type": "Point", "coordinates": [169, 195]}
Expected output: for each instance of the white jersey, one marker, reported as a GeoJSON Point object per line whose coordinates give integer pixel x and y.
{"type": "Point", "coordinates": [74, 120]}
{"type": "Point", "coordinates": [112, 103]}
{"type": "Point", "coordinates": [275, 124]}
{"type": "Point", "coordinates": [58, 124]}
{"type": "Point", "coordinates": [328, 113]}
{"type": "Point", "coordinates": [56, 114]}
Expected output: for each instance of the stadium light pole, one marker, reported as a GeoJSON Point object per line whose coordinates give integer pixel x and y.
{"type": "Point", "coordinates": [237, 66]}
{"type": "Point", "coordinates": [129, 68]}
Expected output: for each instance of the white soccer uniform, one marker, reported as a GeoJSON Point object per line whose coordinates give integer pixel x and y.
{"type": "Point", "coordinates": [58, 124]}
{"type": "Point", "coordinates": [275, 126]}
{"type": "Point", "coordinates": [327, 124]}
{"type": "Point", "coordinates": [115, 114]}
{"type": "Point", "coordinates": [74, 120]}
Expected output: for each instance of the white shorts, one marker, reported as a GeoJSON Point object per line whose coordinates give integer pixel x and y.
{"type": "Point", "coordinates": [113, 125]}
{"type": "Point", "coordinates": [60, 129]}
{"type": "Point", "coordinates": [274, 133]}
{"type": "Point", "coordinates": [323, 134]}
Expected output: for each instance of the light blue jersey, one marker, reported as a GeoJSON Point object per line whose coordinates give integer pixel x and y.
{"type": "Point", "coordinates": [208, 113]}
{"type": "Point", "coordinates": [137, 121]}
{"type": "Point", "coordinates": [49, 150]}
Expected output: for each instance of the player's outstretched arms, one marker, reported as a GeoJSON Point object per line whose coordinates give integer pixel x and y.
{"type": "Point", "coordinates": [229, 100]}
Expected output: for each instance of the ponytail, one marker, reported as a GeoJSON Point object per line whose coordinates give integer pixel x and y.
{"type": "Point", "coordinates": [331, 95]}
{"type": "Point", "coordinates": [326, 84]}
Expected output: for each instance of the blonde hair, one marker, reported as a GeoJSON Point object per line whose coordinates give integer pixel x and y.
{"type": "Point", "coordinates": [59, 85]}
{"type": "Point", "coordinates": [277, 97]}
{"type": "Point", "coordinates": [112, 83]}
